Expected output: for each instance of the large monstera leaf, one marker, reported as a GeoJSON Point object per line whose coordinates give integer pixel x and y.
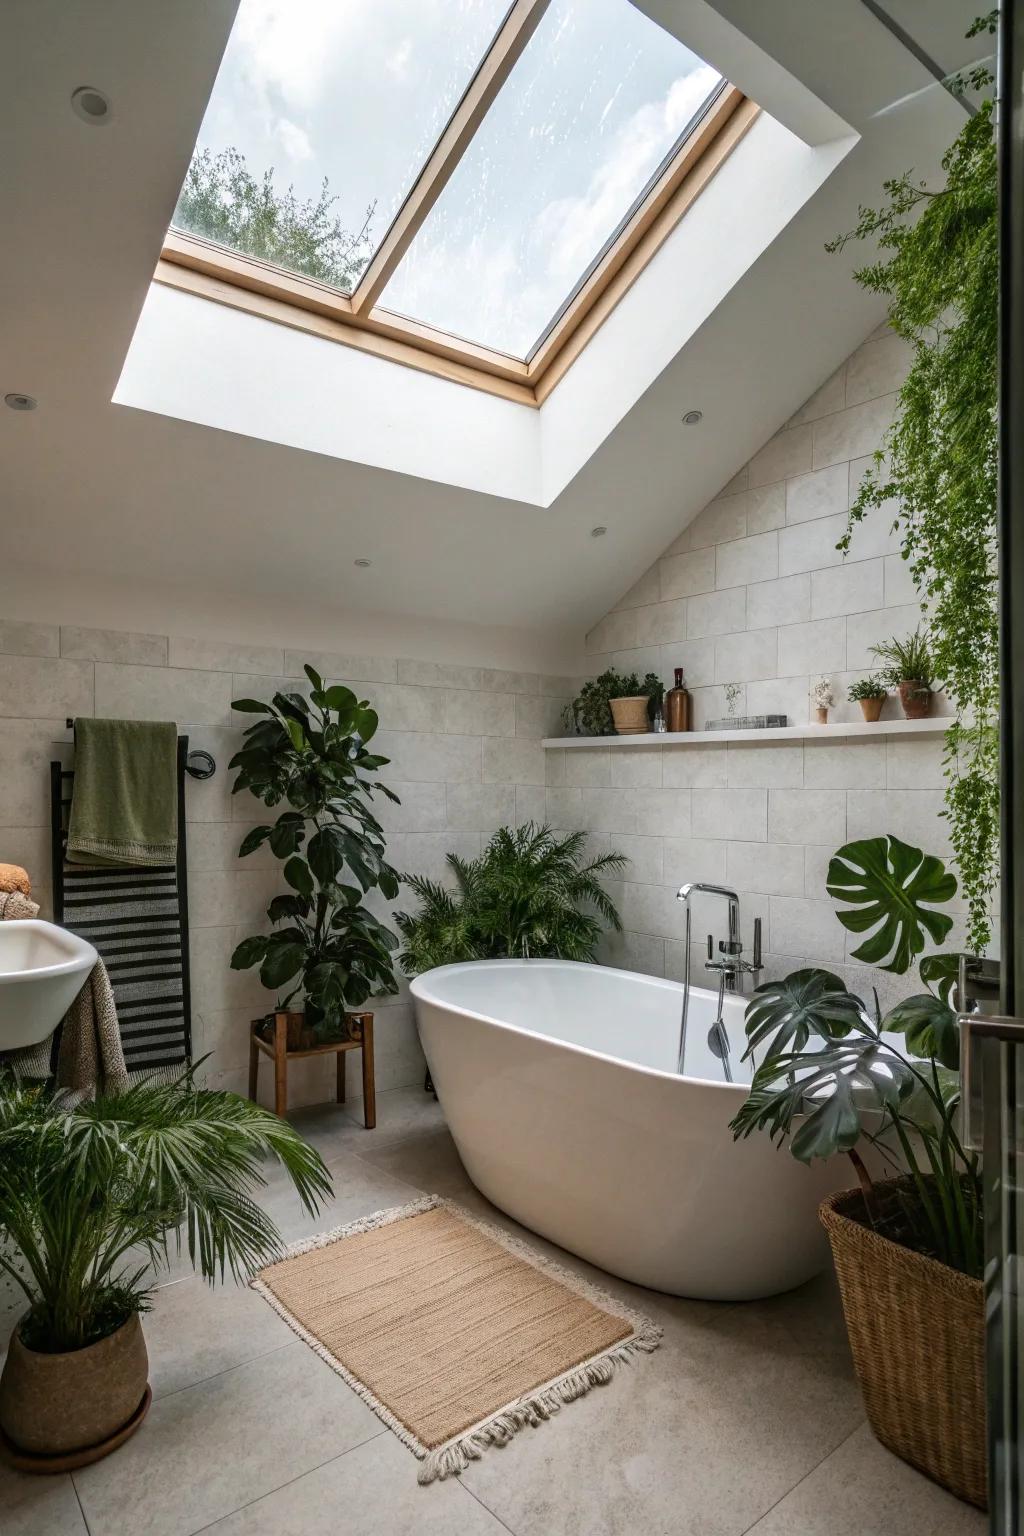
{"type": "Point", "coordinates": [930, 1028]}
{"type": "Point", "coordinates": [787, 1013]}
{"type": "Point", "coordinates": [892, 890]}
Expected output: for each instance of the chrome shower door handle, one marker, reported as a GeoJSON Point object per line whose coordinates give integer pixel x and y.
{"type": "Point", "coordinates": [979, 1032]}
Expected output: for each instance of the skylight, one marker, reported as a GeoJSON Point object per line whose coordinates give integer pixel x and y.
{"type": "Point", "coordinates": [596, 104]}
{"type": "Point", "coordinates": [461, 177]}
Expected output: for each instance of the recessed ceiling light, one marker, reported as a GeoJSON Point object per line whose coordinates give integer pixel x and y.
{"type": "Point", "coordinates": [598, 532]}
{"type": "Point", "coordinates": [91, 105]}
{"type": "Point", "coordinates": [20, 402]}
{"type": "Point", "coordinates": [362, 563]}
{"type": "Point", "coordinates": [692, 417]}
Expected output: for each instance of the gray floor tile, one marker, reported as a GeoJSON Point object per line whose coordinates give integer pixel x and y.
{"type": "Point", "coordinates": [196, 1330]}
{"type": "Point", "coordinates": [204, 1452]}
{"type": "Point", "coordinates": [371, 1491]}
{"type": "Point", "coordinates": [863, 1490]}
{"type": "Point", "coordinates": [360, 1188]}
{"type": "Point", "coordinates": [401, 1112]}
{"type": "Point", "coordinates": [38, 1506]}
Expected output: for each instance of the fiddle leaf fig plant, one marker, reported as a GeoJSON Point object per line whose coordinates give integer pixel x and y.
{"type": "Point", "coordinates": [312, 754]}
{"type": "Point", "coordinates": [833, 1074]}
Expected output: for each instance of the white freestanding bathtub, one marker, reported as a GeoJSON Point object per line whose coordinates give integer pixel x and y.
{"type": "Point", "coordinates": [559, 1085]}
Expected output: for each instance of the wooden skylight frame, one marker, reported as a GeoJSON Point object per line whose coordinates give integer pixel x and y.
{"type": "Point", "coordinates": [202, 267]}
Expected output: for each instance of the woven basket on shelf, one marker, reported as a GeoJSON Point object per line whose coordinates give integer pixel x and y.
{"type": "Point", "coordinates": [917, 1334]}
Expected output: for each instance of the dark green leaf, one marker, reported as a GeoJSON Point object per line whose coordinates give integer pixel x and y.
{"type": "Point", "coordinates": [250, 707]}
{"type": "Point", "coordinates": [313, 676]}
{"type": "Point", "coordinates": [249, 952]}
{"type": "Point", "coordinates": [807, 1003]}
{"type": "Point", "coordinates": [888, 883]}
{"type": "Point", "coordinates": [941, 972]}
{"type": "Point", "coordinates": [253, 840]}
{"type": "Point", "coordinates": [283, 961]}
{"type": "Point", "coordinates": [930, 1027]}
{"type": "Point", "coordinates": [296, 872]}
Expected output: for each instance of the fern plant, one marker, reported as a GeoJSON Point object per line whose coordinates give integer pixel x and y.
{"type": "Point", "coordinates": [530, 895]}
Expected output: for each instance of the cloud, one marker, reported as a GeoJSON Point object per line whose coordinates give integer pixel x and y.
{"type": "Point", "coordinates": [397, 62]}
{"type": "Point", "coordinates": [293, 139]}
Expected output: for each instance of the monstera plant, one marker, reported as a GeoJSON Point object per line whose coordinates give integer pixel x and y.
{"type": "Point", "coordinates": [311, 754]}
{"type": "Point", "coordinates": [835, 1075]}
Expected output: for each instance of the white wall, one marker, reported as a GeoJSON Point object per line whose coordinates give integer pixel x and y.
{"type": "Point", "coordinates": [754, 592]}
{"type": "Point", "coordinates": [464, 741]}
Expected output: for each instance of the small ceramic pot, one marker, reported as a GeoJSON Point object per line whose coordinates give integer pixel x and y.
{"type": "Point", "coordinates": [55, 1405]}
{"type": "Point", "coordinates": [871, 709]}
{"type": "Point", "coordinates": [916, 700]}
{"type": "Point", "coordinates": [630, 715]}
{"type": "Point", "coordinates": [821, 715]}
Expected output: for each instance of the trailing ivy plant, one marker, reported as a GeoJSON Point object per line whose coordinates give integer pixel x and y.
{"type": "Point", "coordinates": [834, 1075]}
{"type": "Point", "coordinates": [938, 268]}
{"type": "Point", "coordinates": [312, 755]}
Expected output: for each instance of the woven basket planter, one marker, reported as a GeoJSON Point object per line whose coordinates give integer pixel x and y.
{"type": "Point", "coordinates": [917, 1334]}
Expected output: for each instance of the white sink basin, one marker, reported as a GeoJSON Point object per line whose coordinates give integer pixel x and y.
{"type": "Point", "coordinates": [42, 970]}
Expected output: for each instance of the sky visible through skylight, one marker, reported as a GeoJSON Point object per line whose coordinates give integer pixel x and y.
{"type": "Point", "coordinates": [358, 91]}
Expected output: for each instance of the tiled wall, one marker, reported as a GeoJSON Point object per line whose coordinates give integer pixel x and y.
{"type": "Point", "coordinates": [466, 758]}
{"type": "Point", "coordinates": [754, 592]}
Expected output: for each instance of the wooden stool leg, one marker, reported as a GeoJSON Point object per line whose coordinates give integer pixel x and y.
{"type": "Point", "coordinates": [369, 1088]}
{"type": "Point", "coordinates": [342, 1058]}
{"type": "Point", "coordinates": [254, 1064]}
{"type": "Point", "coordinates": [280, 1065]}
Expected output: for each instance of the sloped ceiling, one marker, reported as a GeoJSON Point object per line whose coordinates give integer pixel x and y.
{"type": "Point", "coordinates": [101, 490]}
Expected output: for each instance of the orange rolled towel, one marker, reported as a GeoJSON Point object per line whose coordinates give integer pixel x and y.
{"type": "Point", "coordinates": [14, 878]}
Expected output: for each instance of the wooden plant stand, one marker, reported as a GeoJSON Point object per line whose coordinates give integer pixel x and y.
{"type": "Point", "coordinates": [359, 1038]}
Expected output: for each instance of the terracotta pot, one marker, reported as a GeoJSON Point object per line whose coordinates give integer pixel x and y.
{"type": "Point", "coordinates": [52, 1405]}
{"type": "Point", "coordinates": [821, 715]}
{"type": "Point", "coordinates": [630, 715]}
{"type": "Point", "coordinates": [871, 709]}
{"type": "Point", "coordinates": [916, 700]}
{"type": "Point", "coordinates": [917, 1335]}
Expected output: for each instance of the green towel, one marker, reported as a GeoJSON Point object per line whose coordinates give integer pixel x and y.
{"type": "Point", "coordinates": [124, 805]}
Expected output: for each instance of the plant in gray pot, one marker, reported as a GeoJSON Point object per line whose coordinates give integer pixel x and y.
{"type": "Point", "coordinates": [835, 1076]}
{"type": "Point", "coordinates": [90, 1198]}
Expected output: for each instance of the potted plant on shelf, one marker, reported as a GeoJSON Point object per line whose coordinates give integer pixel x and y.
{"type": "Point", "coordinates": [870, 693]}
{"type": "Point", "coordinates": [835, 1076]}
{"type": "Point", "coordinates": [907, 667]}
{"type": "Point", "coordinates": [530, 895]}
{"type": "Point", "coordinates": [822, 697]}
{"type": "Point", "coordinates": [313, 756]}
{"type": "Point", "coordinates": [89, 1198]}
{"type": "Point", "coordinates": [614, 703]}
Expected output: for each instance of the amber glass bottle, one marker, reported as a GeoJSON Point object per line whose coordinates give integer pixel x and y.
{"type": "Point", "coordinates": [677, 705]}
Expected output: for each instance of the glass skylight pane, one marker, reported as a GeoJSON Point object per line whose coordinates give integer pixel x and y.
{"type": "Point", "coordinates": [590, 111]}
{"type": "Point", "coordinates": [322, 116]}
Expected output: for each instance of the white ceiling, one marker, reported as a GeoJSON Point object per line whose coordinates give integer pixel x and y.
{"type": "Point", "coordinates": [96, 489]}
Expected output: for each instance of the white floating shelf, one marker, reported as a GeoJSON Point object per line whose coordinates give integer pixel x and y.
{"type": "Point", "coordinates": [935, 725]}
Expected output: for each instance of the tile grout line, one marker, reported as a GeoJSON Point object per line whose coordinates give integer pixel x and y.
{"type": "Point", "coordinates": [800, 1480]}
{"type": "Point", "coordinates": [493, 1513]}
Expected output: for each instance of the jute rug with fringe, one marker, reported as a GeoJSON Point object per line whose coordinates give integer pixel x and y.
{"type": "Point", "coordinates": [455, 1334]}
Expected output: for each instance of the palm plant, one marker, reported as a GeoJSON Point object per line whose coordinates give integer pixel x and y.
{"type": "Point", "coordinates": [529, 895]}
{"type": "Point", "coordinates": [832, 1075]}
{"type": "Point", "coordinates": [90, 1197]}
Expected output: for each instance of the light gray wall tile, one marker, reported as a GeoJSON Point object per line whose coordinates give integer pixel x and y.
{"type": "Point", "coordinates": [787, 453]}
{"type": "Point", "coordinates": [682, 575]}
{"type": "Point", "coordinates": [899, 583]}
{"type": "Point", "coordinates": [779, 696]}
{"type": "Point", "coordinates": [652, 909]}
{"type": "Point", "coordinates": [646, 856]}
{"type": "Point", "coordinates": [822, 493]}
{"type": "Point", "coordinates": [334, 666]}
{"type": "Point", "coordinates": [420, 757]}
{"type": "Point", "coordinates": [218, 656]}
{"type": "Point", "coordinates": [614, 810]}
{"type": "Point", "coordinates": [743, 561]}
{"type": "Point", "coordinates": [27, 747]}
{"type": "Point", "coordinates": [766, 507]}
{"type": "Point", "coordinates": [786, 601]}
{"type": "Point", "coordinates": [831, 396]}
{"type": "Point", "coordinates": [640, 952]}
{"type": "Point", "coordinates": [696, 657]}
{"type": "Point", "coordinates": [664, 811]}
{"type": "Point", "coordinates": [811, 546]}
{"type": "Point", "coordinates": [45, 688]}
{"type": "Point", "coordinates": [914, 763]}
{"type": "Point", "coordinates": [723, 519]}
{"type": "Point", "coordinates": [554, 767]}
{"type": "Point", "coordinates": [113, 645]}
{"type": "Point", "coordinates": [646, 590]}
{"type": "Point", "coordinates": [717, 613]}
{"type": "Point", "coordinates": [483, 807]}
{"type": "Point", "coordinates": [741, 658]}
{"type": "Point", "coordinates": [773, 869]}
{"type": "Point", "coordinates": [694, 858]}
{"type": "Point", "coordinates": [877, 368]}
{"type": "Point", "coordinates": [846, 589]}
{"type": "Point", "coordinates": [163, 693]}
{"type": "Point", "coordinates": [587, 767]}
{"type": "Point", "coordinates": [481, 714]}
{"type": "Point", "coordinates": [497, 680]}
{"type": "Point", "coordinates": [436, 674]}
{"type": "Point", "coordinates": [539, 715]}
{"type": "Point", "coordinates": [615, 632]}
{"type": "Point", "coordinates": [690, 767]}
{"type": "Point", "coordinates": [661, 622]}
{"type": "Point", "coordinates": [565, 809]}
{"type": "Point", "coordinates": [514, 760]}
{"type": "Point", "coordinates": [806, 816]}
{"type": "Point", "coordinates": [863, 630]}
{"type": "Point", "coordinates": [403, 707]}
{"type": "Point", "coordinates": [810, 926]}
{"type": "Point", "coordinates": [635, 767]}
{"type": "Point", "coordinates": [816, 647]}
{"type": "Point", "coordinates": [853, 432]}
{"type": "Point", "coordinates": [774, 765]}
{"type": "Point", "coordinates": [850, 764]}
{"type": "Point", "coordinates": [730, 814]}
{"type": "Point", "coordinates": [531, 805]}
{"type": "Point", "coordinates": [422, 807]}
{"type": "Point", "coordinates": [22, 639]}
